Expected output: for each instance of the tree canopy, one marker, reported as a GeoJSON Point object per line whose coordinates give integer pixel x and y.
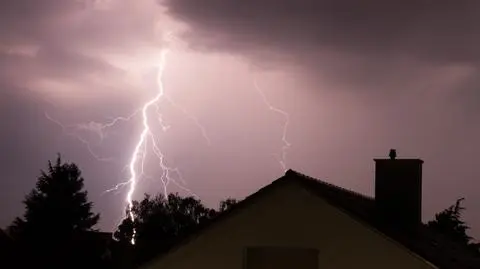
{"type": "Point", "coordinates": [450, 223]}
{"type": "Point", "coordinates": [160, 222]}
{"type": "Point", "coordinates": [227, 204]}
{"type": "Point", "coordinates": [57, 211]}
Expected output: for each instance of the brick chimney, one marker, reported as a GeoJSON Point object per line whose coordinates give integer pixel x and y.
{"type": "Point", "coordinates": [398, 190]}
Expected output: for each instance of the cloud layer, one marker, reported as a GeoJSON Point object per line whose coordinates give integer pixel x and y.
{"type": "Point", "coordinates": [371, 45]}
{"type": "Point", "coordinates": [441, 31]}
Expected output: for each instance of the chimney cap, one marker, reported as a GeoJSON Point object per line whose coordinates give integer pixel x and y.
{"type": "Point", "coordinates": [393, 154]}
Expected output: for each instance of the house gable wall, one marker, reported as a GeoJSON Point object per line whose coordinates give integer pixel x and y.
{"type": "Point", "coordinates": [290, 216]}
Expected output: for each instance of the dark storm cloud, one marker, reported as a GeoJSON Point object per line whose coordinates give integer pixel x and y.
{"type": "Point", "coordinates": [72, 22]}
{"type": "Point", "coordinates": [432, 30]}
{"type": "Point", "coordinates": [375, 46]}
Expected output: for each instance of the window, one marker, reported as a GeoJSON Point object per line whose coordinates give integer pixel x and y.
{"type": "Point", "coordinates": [280, 258]}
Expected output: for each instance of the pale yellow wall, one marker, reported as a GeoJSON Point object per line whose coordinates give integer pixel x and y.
{"type": "Point", "coordinates": [292, 217]}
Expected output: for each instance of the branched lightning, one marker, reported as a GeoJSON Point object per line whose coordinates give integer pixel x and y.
{"type": "Point", "coordinates": [78, 137]}
{"type": "Point", "coordinates": [146, 142]}
{"type": "Point", "coordinates": [146, 136]}
{"type": "Point", "coordinates": [283, 156]}
{"type": "Point", "coordinates": [143, 141]}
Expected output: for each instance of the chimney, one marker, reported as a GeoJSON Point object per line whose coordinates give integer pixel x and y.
{"type": "Point", "coordinates": [398, 190]}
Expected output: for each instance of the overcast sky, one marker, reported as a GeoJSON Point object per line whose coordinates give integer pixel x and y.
{"type": "Point", "coordinates": [356, 78]}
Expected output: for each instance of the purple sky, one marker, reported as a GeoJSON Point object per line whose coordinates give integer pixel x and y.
{"type": "Point", "coordinates": [356, 77]}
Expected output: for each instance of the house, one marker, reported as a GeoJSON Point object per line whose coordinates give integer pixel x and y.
{"type": "Point", "coordinates": [303, 223]}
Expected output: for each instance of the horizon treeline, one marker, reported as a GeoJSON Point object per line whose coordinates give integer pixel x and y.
{"type": "Point", "coordinates": [58, 227]}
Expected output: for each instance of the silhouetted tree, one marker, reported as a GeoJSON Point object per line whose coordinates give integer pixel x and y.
{"type": "Point", "coordinates": [57, 212]}
{"type": "Point", "coordinates": [160, 223]}
{"type": "Point", "coordinates": [449, 222]}
{"type": "Point", "coordinates": [227, 204]}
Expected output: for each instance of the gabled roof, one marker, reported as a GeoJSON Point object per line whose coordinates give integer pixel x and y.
{"type": "Point", "coordinates": [428, 244]}
{"type": "Point", "coordinates": [432, 246]}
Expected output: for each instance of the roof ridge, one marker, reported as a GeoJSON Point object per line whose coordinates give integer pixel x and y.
{"type": "Point", "coordinates": [360, 207]}
{"type": "Point", "coordinates": [333, 186]}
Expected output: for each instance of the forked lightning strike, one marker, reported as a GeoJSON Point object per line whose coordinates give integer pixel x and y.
{"type": "Point", "coordinates": [143, 141]}
{"type": "Point", "coordinates": [286, 116]}
{"type": "Point", "coordinates": [146, 140]}
{"type": "Point", "coordinates": [78, 137]}
{"type": "Point", "coordinates": [146, 136]}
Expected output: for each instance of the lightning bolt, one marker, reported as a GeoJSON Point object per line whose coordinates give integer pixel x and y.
{"type": "Point", "coordinates": [146, 136]}
{"type": "Point", "coordinates": [145, 141]}
{"type": "Point", "coordinates": [286, 145]}
{"type": "Point", "coordinates": [78, 137]}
